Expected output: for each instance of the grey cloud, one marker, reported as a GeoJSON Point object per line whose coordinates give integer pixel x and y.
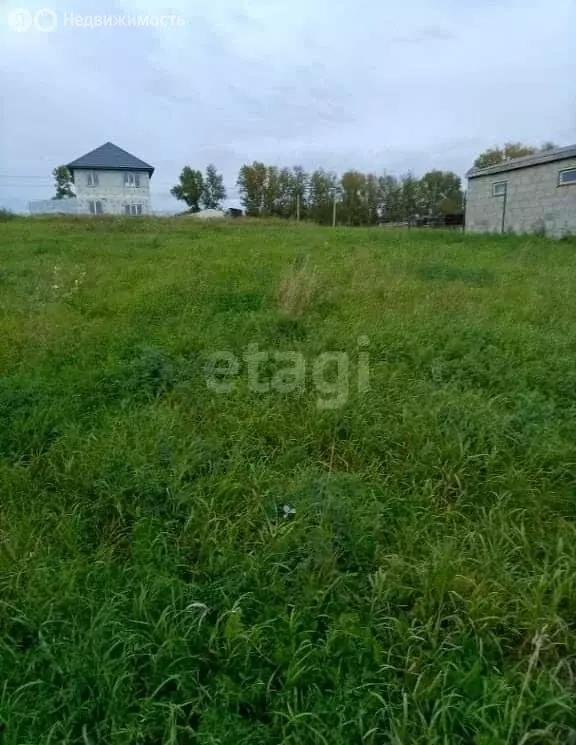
{"type": "Point", "coordinates": [427, 34]}
{"type": "Point", "coordinates": [355, 84]}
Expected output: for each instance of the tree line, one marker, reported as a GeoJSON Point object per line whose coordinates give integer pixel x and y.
{"type": "Point", "coordinates": [361, 198]}
{"type": "Point", "coordinates": [510, 150]}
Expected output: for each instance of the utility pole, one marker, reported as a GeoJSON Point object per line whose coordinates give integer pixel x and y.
{"type": "Point", "coordinates": [298, 206]}
{"type": "Point", "coordinates": [504, 209]}
{"type": "Point", "coordinates": [334, 211]}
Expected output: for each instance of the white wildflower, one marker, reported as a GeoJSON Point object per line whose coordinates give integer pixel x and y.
{"type": "Point", "coordinates": [288, 511]}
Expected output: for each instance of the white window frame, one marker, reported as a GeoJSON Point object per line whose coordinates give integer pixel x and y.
{"type": "Point", "coordinates": [91, 178]}
{"type": "Point", "coordinates": [132, 179]}
{"type": "Point", "coordinates": [496, 193]}
{"type": "Point", "coordinates": [134, 208]}
{"type": "Point", "coordinates": [561, 182]}
{"type": "Point", "coordinates": [93, 207]}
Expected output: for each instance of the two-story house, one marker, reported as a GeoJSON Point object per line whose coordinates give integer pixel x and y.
{"type": "Point", "coordinates": [108, 181]}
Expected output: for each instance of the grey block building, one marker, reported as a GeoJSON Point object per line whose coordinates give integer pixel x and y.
{"type": "Point", "coordinates": [525, 195]}
{"type": "Point", "coordinates": [107, 180]}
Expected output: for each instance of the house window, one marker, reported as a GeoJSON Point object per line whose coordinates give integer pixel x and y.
{"type": "Point", "coordinates": [92, 178]}
{"type": "Point", "coordinates": [96, 207]}
{"type": "Point", "coordinates": [132, 179]}
{"type": "Point", "coordinates": [499, 189]}
{"type": "Point", "coordinates": [133, 209]}
{"type": "Point", "coordinates": [567, 177]}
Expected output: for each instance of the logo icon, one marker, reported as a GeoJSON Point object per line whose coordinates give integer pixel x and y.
{"type": "Point", "coordinates": [20, 19]}
{"type": "Point", "coordinates": [46, 20]}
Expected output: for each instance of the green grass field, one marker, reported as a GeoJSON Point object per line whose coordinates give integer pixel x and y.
{"type": "Point", "coordinates": [422, 588]}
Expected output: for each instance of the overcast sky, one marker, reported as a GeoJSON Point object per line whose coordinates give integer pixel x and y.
{"type": "Point", "coordinates": [340, 84]}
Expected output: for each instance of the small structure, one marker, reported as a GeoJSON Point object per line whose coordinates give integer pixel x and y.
{"type": "Point", "coordinates": [107, 180]}
{"type": "Point", "coordinates": [447, 220]}
{"type": "Point", "coordinates": [208, 214]}
{"type": "Point", "coordinates": [534, 194]}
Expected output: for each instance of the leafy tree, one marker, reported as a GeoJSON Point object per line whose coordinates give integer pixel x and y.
{"type": "Point", "coordinates": [323, 186]}
{"type": "Point", "coordinates": [495, 155]}
{"type": "Point", "coordinates": [441, 192]}
{"type": "Point", "coordinates": [300, 189]}
{"type": "Point", "coordinates": [411, 196]}
{"type": "Point", "coordinates": [251, 184]}
{"type": "Point", "coordinates": [190, 189]}
{"type": "Point", "coordinates": [490, 157]}
{"type": "Point", "coordinates": [62, 183]}
{"type": "Point", "coordinates": [548, 145]}
{"type": "Point", "coordinates": [214, 191]}
{"type": "Point", "coordinates": [373, 200]}
{"type": "Point", "coordinates": [290, 187]}
{"type": "Point", "coordinates": [354, 209]}
{"type": "Point", "coordinates": [285, 203]}
{"type": "Point", "coordinates": [271, 192]}
{"type": "Point", "coordinates": [390, 198]}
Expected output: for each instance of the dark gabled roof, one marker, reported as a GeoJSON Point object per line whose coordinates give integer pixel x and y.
{"type": "Point", "coordinates": [537, 159]}
{"type": "Point", "coordinates": [110, 157]}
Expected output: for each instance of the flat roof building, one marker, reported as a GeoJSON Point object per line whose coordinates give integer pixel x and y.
{"type": "Point", "coordinates": [534, 194]}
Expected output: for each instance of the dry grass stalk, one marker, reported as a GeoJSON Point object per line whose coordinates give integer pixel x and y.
{"type": "Point", "coordinates": [297, 289]}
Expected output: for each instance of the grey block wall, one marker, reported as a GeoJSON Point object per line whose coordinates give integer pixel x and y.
{"type": "Point", "coordinates": [534, 202]}
{"type": "Point", "coordinates": [112, 192]}
{"type": "Point", "coordinates": [56, 206]}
